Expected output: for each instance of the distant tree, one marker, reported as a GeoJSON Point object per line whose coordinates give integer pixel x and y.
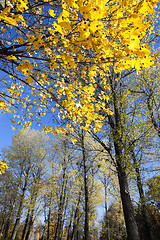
{"type": "Point", "coordinates": [153, 192]}
{"type": "Point", "coordinates": [25, 158]}
{"type": "Point", "coordinates": [153, 218]}
{"type": "Point", "coordinates": [145, 86]}
{"type": "Point", "coordinates": [115, 229]}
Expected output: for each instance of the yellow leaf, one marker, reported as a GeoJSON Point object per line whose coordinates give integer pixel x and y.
{"type": "Point", "coordinates": [3, 30]}
{"type": "Point", "coordinates": [29, 79]}
{"type": "Point", "coordinates": [51, 12]}
{"type": "Point", "coordinates": [12, 120]}
{"type": "Point", "coordinates": [11, 57]}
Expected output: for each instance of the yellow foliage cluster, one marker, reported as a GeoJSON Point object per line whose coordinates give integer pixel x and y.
{"type": "Point", "coordinates": [3, 166]}
{"type": "Point", "coordinates": [98, 34]}
{"type": "Point", "coordinates": [82, 41]}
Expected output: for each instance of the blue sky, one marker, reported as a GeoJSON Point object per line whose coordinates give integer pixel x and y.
{"type": "Point", "coordinates": [5, 130]}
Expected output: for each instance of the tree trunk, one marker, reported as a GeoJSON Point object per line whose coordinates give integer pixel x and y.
{"type": "Point", "coordinates": [86, 193]}
{"type": "Point", "coordinates": [7, 225]}
{"type": "Point", "coordinates": [2, 227]}
{"type": "Point", "coordinates": [30, 225]}
{"type": "Point", "coordinates": [49, 219]}
{"type": "Point", "coordinates": [75, 215]}
{"type": "Point", "coordinates": [20, 207]}
{"type": "Point", "coordinates": [156, 124]}
{"type": "Point", "coordinates": [147, 224]}
{"type": "Point", "coordinates": [14, 232]}
{"type": "Point", "coordinates": [131, 225]}
{"type": "Point", "coordinates": [12, 205]}
{"type": "Point", "coordinates": [117, 132]}
{"type": "Point", "coordinates": [106, 208]}
{"type": "Point", "coordinates": [70, 224]}
{"type": "Point", "coordinates": [59, 228]}
{"type": "Point", "coordinates": [77, 226]}
{"type": "Point", "coordinates": [130, 221]}
{"type": "Point", "coordinates": [25, 226]}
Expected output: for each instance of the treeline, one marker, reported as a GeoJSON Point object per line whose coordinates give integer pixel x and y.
{"type": "Point", "coordinates": [54, 189]}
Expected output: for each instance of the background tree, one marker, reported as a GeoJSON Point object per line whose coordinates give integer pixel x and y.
{"type": "Point", "coordinates": [153, 190]}
{"type": "Point", "coordinates": [116, 228]}
{"type": "Point", "coordinates": [25, 158]}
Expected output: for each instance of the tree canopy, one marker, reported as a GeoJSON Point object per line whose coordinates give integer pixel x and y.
{"type": "Point", "coordinates": [79, 42]}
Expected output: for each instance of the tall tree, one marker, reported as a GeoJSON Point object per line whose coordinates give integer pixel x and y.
{"type": "Point", "coordinates": [25, 158]}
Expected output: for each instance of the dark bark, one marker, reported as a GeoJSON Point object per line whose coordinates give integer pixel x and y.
{"type": "Point", "coordinates": [147, 224]}
{"type": "Point", "coordinates": [130, 221]}
{"type": "Point", "coordinates": [131, 225]}
{"type": "Point", "coordinates": [30, 224]}
{"type": "Point", "coordinates": [29, 218]}
{"type": "Point", "coordinates": [49, 220]}
{"type": "Point", "coordinates": [20, 207]}
{"type": "Point", "coordinates": [155, 122]}
{"type": "Point", "coordinates": [14, 232]}
{"type": "Point", "coordinates": [12, 206]}
{"type": "Point", "coordinates": [59, 228]}
{"type": "Point", "coordinates": [76, 215]}
{"type": "Point", "coordinates": [106, 209]}
{"type": "Point", "coordinates": [33, 203]}
{"type": "Point", "coordinates": [117, 132]}
{"type": "Point", "coordinates": [25, 226]}
{"type": "Point", "coordinates": [70, 225]}
{"type": "Point", "coordinates": [86, 193]}
{"type": "Point", "coordinates": [77, 226]}
{"type": "Point", "coordinates": [7, 225]}
{"type": "Point", "coordinates": [2, 226]}
{"type": "Point", "coordinates": [42, 238]}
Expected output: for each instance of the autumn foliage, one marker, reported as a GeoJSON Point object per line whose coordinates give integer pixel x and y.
{"type": "Point", "coordinates": [80, 42]}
